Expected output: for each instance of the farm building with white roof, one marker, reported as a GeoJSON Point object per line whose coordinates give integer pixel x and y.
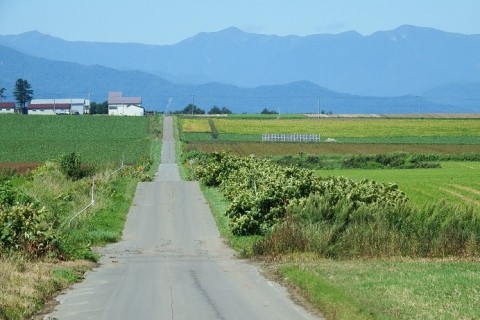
{"type": "Point", "coordinates": [118, 105]}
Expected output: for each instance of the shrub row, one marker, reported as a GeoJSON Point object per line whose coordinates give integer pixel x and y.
{"type": "Point", "coordinates": [259, 190]}
{"type": "Point", "coordinates": [391, 160]}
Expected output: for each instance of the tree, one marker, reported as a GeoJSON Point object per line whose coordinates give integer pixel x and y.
{"type": "Point", "coordinates": [217, 110]}
{"type": "Point", "coordinates": [266, 111]}
{"type": "Point", "coordinates": [23, 93]}
{"type": "Point", "coordinates": [99, 108]}
{"type": "Point", "coordinates": [225, 110]}
{"type": "Point", "coordinates": [2, 96]}
{"type": "Point", "coordinates": [191, 109]}
{"type": "Point", "coordinates": [214, 110]}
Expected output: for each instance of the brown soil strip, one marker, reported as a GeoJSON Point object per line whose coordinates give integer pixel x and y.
{"type": "Point", "coordinates": [19, 167]}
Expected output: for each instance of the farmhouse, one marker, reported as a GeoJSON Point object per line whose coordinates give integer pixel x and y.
{"type": "Point", "coordinates": [7, 107]}
{"type": "Point", "coordinates": [59, 106]}
{"type": "Point", "coordinates": [118, 105]}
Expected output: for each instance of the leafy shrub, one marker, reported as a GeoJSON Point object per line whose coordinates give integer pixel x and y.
{"type": "Point", "coordinates": [70, 165]}
{"type": "Point", "coordinates": [9, 196]}
{"type": "Point", "coordinates": [28, 228]}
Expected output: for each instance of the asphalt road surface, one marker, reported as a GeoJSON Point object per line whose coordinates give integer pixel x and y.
{"type": "Point", "coordinates": [172, 264]}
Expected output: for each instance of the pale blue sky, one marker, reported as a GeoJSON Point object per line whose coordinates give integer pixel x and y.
{"type": "Point", "coordinates": [167, 22]}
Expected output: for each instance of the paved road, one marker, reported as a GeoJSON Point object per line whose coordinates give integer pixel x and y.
{"type": "Point", "coordinates": [172, 263]}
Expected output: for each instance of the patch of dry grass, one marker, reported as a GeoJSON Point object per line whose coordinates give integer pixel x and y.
{"type": "Point", "coordinates": [26, 285]}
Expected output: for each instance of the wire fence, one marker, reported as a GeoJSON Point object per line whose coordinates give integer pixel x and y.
{"type": "Point", "coordinates": [283, 137]}
{"type": "Point", "coordinates": [92, 196]}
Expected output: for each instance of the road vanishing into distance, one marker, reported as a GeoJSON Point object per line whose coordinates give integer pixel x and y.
{"type": "Point", "coordinates": [172, 263]}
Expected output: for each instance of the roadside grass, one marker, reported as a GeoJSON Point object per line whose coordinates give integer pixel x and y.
{"type": "Point", "coordinates": [27, 286]}
{"type": "Point", "coordinates": [102, 226]}
{"type": "Point", "coordinates": [243, 245]}
{"type": "Point", "coordinates": [389, 289]}
{"type": "Point", "coordinates": [155, 133]}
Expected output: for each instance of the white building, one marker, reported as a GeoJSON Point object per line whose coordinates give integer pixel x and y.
{"type": "Point", "coordinates": [7, 107]}
{"type": "Point", "coordinates": [118, 105]}
{"type": "Point", "coordinates": [59, 106]}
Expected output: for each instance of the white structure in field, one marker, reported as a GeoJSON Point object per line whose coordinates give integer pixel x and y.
{"type": "Point", "coordinates": [59, 106]}
{"type": "Point", "coordinates": [285, 137]}
{"type": "Point", "coordinates": [7, 107]}
{"type": "Point", "coordinates": [118, 105]}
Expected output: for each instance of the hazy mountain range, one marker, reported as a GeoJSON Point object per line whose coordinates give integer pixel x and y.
{"type": "Point", "coordinates": [420, 68]}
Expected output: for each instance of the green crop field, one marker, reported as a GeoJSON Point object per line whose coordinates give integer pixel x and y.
{"type": "Point", "coordinates": [99, 139]}
{"type": "Point", "coordinates": [347, 130]}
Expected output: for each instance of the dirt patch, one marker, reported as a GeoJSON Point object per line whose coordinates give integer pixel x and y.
{"type": "Point", "coordinates": [19, 167]}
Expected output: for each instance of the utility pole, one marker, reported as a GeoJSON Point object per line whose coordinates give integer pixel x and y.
{"type": "Point", "coordinates": [193, 103]}
{"type": "Point", "coordinates": [318, 106]}
{"type": "Point", "coordinates": [418, 105]}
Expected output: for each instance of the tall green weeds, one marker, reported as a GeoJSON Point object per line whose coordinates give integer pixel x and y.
{"type": "Point", "coordinates": [343, 230]}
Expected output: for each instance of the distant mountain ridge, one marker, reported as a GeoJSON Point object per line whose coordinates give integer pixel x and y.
{"type": "Point", "coordinates": [407, 60]}
{"type": "Point", "coordinates": [51, 79]}
{"type": "Point", "coordinates": [273, 66]}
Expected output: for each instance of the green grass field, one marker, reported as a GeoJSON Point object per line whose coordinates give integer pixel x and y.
{"type": "Point", "coordinates": [454, 182]}
{"type": "Point", "coordinates": [358, 289]}
{"type": "Point", "coordinates": [98, 139]}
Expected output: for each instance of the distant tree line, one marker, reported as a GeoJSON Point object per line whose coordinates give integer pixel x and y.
{"type": "Point", "coordinates": [193, 109]}
{"type": "Point", "coordinates": [266, 111]}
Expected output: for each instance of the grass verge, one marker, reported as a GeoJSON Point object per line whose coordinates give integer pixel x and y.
{"type": "Point", "coordinates": [241, 244]}
{"type": "Point", "coordinates": [369, 289]}
{"type": "Point", "coordinates": [27, 286]}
